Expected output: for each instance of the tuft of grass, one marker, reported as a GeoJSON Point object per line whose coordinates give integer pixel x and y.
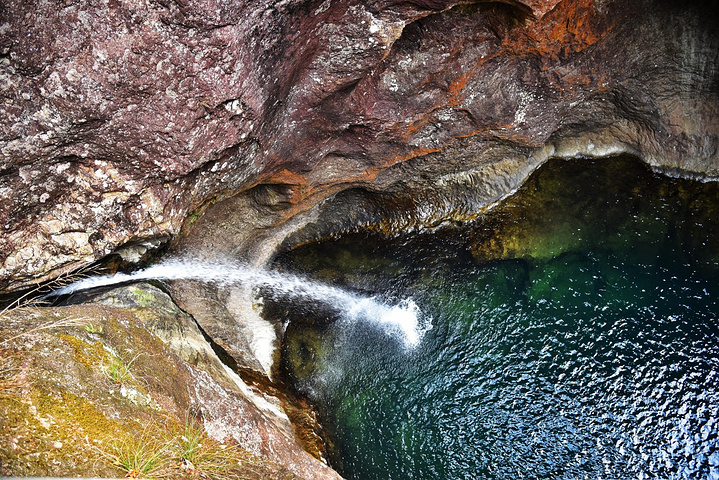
{"type": "Point", "coordinates": [196, 454]}
{"type": "Point", "coordinates": [138, 457]}
{"type": "Point", "coordinates": [116, 370]}
{"type": "Point", "coordinates": [92, 328]}
{"type": "Point", "coordinates": [187, 452]}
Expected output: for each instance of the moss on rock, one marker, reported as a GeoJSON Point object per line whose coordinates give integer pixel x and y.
{"type": "Point", "coordinates": [62, 414]}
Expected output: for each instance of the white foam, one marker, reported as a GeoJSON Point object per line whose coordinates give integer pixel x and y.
{"type": "Point", "coordinates": [403, 320]}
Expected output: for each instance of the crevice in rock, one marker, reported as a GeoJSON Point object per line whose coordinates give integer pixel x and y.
{"type": "Point", "coordinates": [400, 207]}
{"type": "Point", "coordinates": [301, 413]}
{"type": "Point", "coordinates": [512, 13]}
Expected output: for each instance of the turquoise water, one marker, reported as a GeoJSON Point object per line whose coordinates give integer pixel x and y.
{"type": "Point", "coordinates": [600, 361]}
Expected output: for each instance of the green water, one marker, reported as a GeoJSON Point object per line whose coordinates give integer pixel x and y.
{"type": "Point", "coordinates": [575, 334]}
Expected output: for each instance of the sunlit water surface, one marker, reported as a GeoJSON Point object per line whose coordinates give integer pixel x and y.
{"type": "Point", "coordinates": [599, 361]}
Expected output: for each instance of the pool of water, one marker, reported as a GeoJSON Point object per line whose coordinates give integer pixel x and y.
{"type": "Point", "coordinates": [564, 343]}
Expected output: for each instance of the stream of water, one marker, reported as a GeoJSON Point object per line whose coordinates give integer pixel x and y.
{"type": "Point", "coordinates": [402, 320]}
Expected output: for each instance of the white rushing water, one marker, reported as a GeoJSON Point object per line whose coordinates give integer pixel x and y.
{"type": "Point", "coordinates": [403, 321]}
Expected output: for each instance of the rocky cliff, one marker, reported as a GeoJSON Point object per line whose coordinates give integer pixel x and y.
{"type": "Point", "coordinates": [122, 121]}
{"type": "Point", "coordinates": [126, 386]}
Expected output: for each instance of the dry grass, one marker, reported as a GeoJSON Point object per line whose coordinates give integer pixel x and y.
{"type": "Point", "coordinates": [32, 301]}
{"type": "Point", "coordinates": [197, 454]}
{"type": "Point", "coordinates": [62, 322]}
{"type": "Point", "coordinates": [9, 370]}
{"type": "Point", "coordinates": [35, 297]}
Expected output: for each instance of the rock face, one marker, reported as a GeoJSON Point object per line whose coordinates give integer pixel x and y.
{"type": "Point", "coordinates": [120, 121]}
{"type": "Point", "coordinates": [80, 385]}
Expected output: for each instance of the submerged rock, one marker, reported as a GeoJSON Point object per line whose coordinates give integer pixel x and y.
{"type": "Point", "coordinates": [571, 205]}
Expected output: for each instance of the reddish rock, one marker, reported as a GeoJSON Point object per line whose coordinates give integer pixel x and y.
{"type": "Point", "coordinates": [120, 118]}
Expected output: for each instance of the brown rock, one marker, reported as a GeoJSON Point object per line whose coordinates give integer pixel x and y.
{"type": "Point", "coordinates": [79, 383]}
{"type": "Point", "coordinates": [119, 119]}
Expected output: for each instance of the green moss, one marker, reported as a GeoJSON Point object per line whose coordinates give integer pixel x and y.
{"type": "Point", "coordinates": [90, 355]}
{"type": "Point", "coordinates": [71, 410]}
{"type": "Point", "coordinates": [193, 217]}
{"type": "Point", "coordinates": [143, 297]}
{"type": "Point", "coordinates": [43, 434]}
{"type": "Point", "coordinates": [57, 416]}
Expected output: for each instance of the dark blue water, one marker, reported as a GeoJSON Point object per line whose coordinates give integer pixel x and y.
{"type": "Point", "coordinates": [600, 360]}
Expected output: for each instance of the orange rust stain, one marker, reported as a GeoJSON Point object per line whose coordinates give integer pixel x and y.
{"type": "Point", "coordinates": [419, 152]}
{"type": "Point", "coordinates": [570, 27]}
{"type": "Point", "coordinates": [369, 174]}
{"type": "Point", "coordinates": [575, 78]}
{"type": "Point", "coordinates": [455, 92]}
{"type": "Point", "coordinates": [603, 84]}
{"type": "Point", "coordinates": [286, 177]}
{"type": "Point", "coordinates": [456, 87]}
{"type": "Point", "coordinates": [414, 127]}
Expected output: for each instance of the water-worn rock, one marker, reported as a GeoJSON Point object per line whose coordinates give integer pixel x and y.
{"type": "Point", "coordinates": [119, 119]}
{"type": "Point", "coordinates": [79, 385]}
{"type": "Point", "coordinates": [464, 106]}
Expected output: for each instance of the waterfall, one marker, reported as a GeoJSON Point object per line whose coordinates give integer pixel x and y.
{"type": "Point", "coordinates": [403, 320]}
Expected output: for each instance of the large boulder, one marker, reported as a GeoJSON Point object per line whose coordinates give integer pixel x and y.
{"type": "Point", "coordinates": [122, 121]}
{"type": "Point", "coordinates": [103, 388]}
